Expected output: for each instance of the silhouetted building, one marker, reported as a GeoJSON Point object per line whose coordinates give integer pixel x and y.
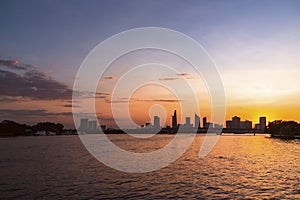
{"type": "Point", "coordinates": [229, 124]}
{"type": "Point", "coordinates": [209, 125]}
{"type": "Point", "coordinates": [205, 125]}
{"type": "Point", "coordinates": [174, 120]}
{"type": "Point", "coordinates": [197, 121]}
{"type": "Point", "coordinates": [92, 125]}
{"type": "Point", "coordinates": [236, 122]}
{"type": "Point", "coordinates": [83, 124]}
{"type": "Point", "coordinates": [188, 124]}
{"type": "Point", "coordinates": [257, 127]}
{"type": "Point", "coordinates": [156, 122]}
{"type": "Point", "coordinates": [262, 123]}
{"type": "Point", "coordinates": [218, 126]}
{"type": "Point", "coordinates": [188, 121]}
{"type": "Point", "coordinates": [246, 125]}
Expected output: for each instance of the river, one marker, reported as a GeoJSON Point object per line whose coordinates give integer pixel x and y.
{"type": "Point", "coordinates": [239, 167]}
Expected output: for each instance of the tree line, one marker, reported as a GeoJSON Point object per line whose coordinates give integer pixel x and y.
{"type": "Point", "coordinates": [281, 128]}
{"type": "Point", "coordinates": [12, 128]}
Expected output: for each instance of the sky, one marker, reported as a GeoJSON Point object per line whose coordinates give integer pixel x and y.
{"type": "Point", "coordinates": [255, 46]}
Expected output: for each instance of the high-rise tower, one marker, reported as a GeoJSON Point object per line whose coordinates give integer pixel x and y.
{"type": "Point", "coordinates": [263, 123]}
{"type": "Point", "coordinates": [197, 121]}
{"type": "Point", "coordinates": [174, 120]}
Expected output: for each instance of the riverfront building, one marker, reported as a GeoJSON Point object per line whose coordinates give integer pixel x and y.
{"type": "Point", "coordinates": [156, 122]}
{"type": "Point", "coordinates": [83, 124]}
{"type": "Point", "coordinates": [263, 122]}
{"type": "Point", "coordinates": [236, 122]}
{"type": "Point", "coordinates": [197, 121]}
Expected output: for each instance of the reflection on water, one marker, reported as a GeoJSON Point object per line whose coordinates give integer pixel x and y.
{"type": "Point", "coordinates": [252, 167]}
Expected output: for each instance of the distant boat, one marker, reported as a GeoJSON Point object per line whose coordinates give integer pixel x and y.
{"type": "Point", "coordinates": [268, 136]}
{"type": "Point", "coordinates": [40, 133]}
{"type": "Point", "coordinates": [44, 133]}
{"type": "Point", "coordinates": [51, 133]}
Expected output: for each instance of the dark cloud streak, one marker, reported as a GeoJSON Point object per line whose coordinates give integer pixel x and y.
{"type": "Point", "coordinates": [183, 74]}
{"type": "Point", "coordinates": [109, 78]}
{"type": "Point", "coordinates": [32, 84]}
{"type": "Point", "coordinates": [71, 106]}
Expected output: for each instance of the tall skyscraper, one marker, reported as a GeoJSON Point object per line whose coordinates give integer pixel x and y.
{"type": "Point", "coordinates": [156, 122]}
{"type": "Point", "coordinates": [83, 124]}
{"type": "Point", "coordinates": [204, 123]}
{"type": "Point", "coordinates": [174, 120]}
{"type": "Point", "coordinates": [262, 123]}
{"type": "Point", "coordinates": [197, 121]}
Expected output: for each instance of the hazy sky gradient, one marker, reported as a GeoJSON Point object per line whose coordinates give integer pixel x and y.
{"type": "Point", "coordinates": [255, 44]}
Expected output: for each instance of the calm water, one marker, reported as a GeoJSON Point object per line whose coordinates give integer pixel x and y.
{"type": "Point", "coordinates": [239, 167]}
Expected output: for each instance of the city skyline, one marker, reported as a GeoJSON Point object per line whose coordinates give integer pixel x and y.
{"type": "Point", "coordinates": [234, 124]}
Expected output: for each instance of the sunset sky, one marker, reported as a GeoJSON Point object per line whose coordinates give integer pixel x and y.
{"type": "Point", "coordinates": [254, 44]}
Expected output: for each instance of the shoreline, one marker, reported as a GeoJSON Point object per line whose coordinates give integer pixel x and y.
{"type": "Point", "coordinates": [285, 136]}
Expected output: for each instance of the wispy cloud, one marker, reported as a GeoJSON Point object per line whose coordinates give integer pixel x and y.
{"type": "Point", "coordinates": [31, 113]}
{"type": "Point", "coordinates": [15, 65]}
{"type": "Point", "coordinates": [8, 99]}
{"type": "Point", "coordinates": [115, 101]}
{"type": "Point", "coordinates": [110, 78]}
{"type": "Point", "coordinates": [105, 118]}
{"type": "Point", "coordinates": [168, 79]}
{"type": "Point", "coordinates": [178, 76]}
{"type": "Point", "coordinates": [89, 95]}
{"type": "Point", "coordinates": [126, 100]}
{"type": "Point", "coordinates": [158, 100]}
